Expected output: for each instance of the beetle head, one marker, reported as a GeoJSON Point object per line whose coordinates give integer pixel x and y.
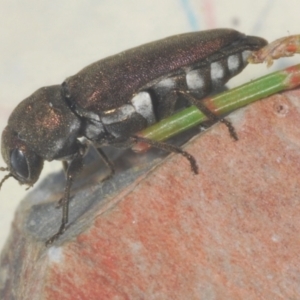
{"type": "Point", "coordinates": [42, 127]}
{"type": "Point", "coordinates": [22, 163]}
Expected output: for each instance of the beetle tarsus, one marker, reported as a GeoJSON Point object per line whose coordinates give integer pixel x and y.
{"type": "Point", "coordinates": [230, 127]}
{"type": "Point", "coordinates": [209, 114]}
{"type": "Point", "coordinates": [61, 230]}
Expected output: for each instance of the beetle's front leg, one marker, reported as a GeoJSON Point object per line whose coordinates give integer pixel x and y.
{"type": "Point", "coordinates": [208, 113]}
{"type": "Point", "coordinates": [72, 169]}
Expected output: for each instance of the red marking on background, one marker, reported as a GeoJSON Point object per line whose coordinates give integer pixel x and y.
{"type": "Point", "coordinates": [209, 14]}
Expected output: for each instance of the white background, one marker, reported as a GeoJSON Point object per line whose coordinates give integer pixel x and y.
{"type": "Point", "coordinates": [43, 42]}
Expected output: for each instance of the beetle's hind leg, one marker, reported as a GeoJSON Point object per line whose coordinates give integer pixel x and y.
{"type": "Point", "coordinates": [169, 93]}
{"type": "Point", "coordinates": [170, 99]}
{"type": "Point", "coordinates": [208, 113]}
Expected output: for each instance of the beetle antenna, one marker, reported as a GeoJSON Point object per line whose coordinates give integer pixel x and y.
{"type": "Point", "coordinates": [5, 177]}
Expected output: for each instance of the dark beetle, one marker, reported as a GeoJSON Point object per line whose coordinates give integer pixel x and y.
{"type": "Point", "coordinates": [109, 101]}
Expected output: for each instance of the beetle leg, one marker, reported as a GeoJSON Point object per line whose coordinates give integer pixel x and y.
{"type": "Point", "coordinates": [73, 168]}
{"type": "Point", "coordinates": [108, 163]}
{"type": "Point", "coordinates": [169, 148]}
{"type": "Point", "coordinates": [60, 201]}
{"type": "Point", "coordinates": [208, 113]}
{"type": "Point", "coordinates": [65, 166]}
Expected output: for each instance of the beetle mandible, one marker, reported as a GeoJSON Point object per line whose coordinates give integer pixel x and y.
{"type": "Point", "coordinates": [109, 101]}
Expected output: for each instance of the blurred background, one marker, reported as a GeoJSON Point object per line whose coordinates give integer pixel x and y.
{"type": "Point", "coordinates": [43, 42]}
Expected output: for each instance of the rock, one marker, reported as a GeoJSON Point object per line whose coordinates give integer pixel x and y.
{"type": "Point", "coordinates": [157, 231]}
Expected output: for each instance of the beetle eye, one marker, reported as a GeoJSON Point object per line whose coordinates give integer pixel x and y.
{"type": "Point", "coordinates": [19, 163]}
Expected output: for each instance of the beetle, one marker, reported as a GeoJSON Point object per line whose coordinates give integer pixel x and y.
{"type": "Point", "coordinates": [110, 100]}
